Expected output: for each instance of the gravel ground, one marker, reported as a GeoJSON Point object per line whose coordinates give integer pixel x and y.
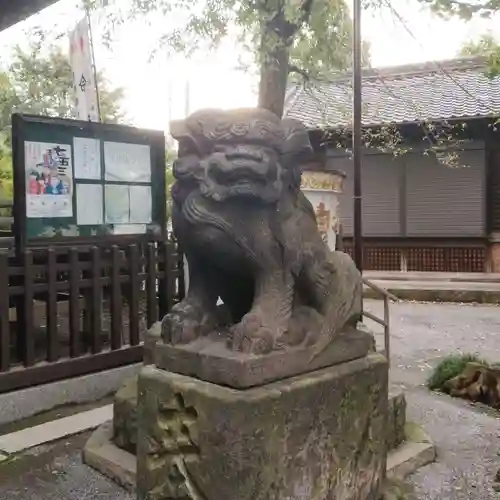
{"type": "Point", "coordinates": [467, 437]}
{"type": "Point", "coordinates": [56, 472]}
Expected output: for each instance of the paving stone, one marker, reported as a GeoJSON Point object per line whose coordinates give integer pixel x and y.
{"type": "Point", "coordinates": [54, 430]}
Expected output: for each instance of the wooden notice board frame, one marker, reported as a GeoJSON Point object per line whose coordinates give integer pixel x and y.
{"type": "Point", "coordinates": [44, 141]}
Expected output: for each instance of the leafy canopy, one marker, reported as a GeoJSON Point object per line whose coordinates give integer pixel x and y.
{"type": "Point", "coordinates": [41, 83]}
{"type": "Point", "coordinates": [486, 46]}
{"type": "Point", "coordinates": [466, 9]}
{"type": "Point", "coordinates": [317, 33]}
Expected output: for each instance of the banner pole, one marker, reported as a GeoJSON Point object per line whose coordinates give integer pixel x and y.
{"type": "Point", "coordinates": [92, 55]}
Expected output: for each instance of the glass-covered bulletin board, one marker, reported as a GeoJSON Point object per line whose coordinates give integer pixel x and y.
{"type": "Point", "coordinates": [85, 182]}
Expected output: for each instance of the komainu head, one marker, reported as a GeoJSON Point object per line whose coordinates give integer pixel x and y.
{"type": "Point", "coordinates": [239, 153]}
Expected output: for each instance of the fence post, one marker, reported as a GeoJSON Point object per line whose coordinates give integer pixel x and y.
{"type": "Point", "coordinates": [151, 293]}
{"type": "Point", "coordinates": [25, 334]}
{"type": "Point", "coordinates": [96, 301]}
{"type": "Point", "coordinates": [134, 295]}
{"type": "Point", "coordinates": [74, 303]}
{"type": "Point", "coordinates": [4, 313]}
{"type": "Point", "coordinates": [52, 337]}
{"type": "Point", "coordinates": [116, 299]}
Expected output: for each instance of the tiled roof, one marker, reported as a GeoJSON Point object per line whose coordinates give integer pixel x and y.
{"type": "Point", "coordinates": [457, 88]}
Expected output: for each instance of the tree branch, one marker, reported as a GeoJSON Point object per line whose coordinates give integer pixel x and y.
{"type": "Point", "coordinates": [292, 68]}
{"type": "Point", "coordinates": [306, 12]}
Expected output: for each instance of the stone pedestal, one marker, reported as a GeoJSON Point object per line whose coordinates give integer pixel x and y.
{"type": "Point", "coordinates": [315, 436]}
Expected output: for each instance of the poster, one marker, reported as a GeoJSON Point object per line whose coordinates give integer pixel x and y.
{"type": "Point", "coordinates": [87, 158]}
{"type": "Point", "coordinates": [117, 204]}
{"type": "Point", "coordinates": [84, 85]}
{"type": "Point", "coordinates": [49, 180]}
{"type": "Point", "coordinates": [89, 207]}
{"type": "Point", "coordinates": [140, 204]}
{"type": "Point", "coordinates": [127, 162]}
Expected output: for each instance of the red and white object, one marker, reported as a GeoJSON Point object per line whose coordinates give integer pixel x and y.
{"type": "Point", "coordinates": [84, 84]}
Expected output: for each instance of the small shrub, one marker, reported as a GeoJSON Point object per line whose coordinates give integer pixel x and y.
{"type": "Point", "coordinates": [450, 367]}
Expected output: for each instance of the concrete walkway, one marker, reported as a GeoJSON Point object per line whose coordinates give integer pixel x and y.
{"type": "Point", "coordinates": [438, 287]}
{"type": "Point", "coordinates": [428, 276]}
{"type": "Point", "coordinates": [467, 437]}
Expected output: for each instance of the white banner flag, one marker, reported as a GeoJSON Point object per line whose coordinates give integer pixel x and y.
{"type": "Point", "coordinates": [84, 84]}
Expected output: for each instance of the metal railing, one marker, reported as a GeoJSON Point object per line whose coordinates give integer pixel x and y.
{"type": "Point", "coordinates": [385, 323]}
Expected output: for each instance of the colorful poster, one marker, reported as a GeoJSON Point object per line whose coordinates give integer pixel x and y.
{"type": "Point", "coordinates": [49, 180]}
{"type": "Point", "coordinates": [84, 85]}
{"type": "Point", "coordinates": [87, 154]}
{"type": "Point", "coordinates": [127, 162]}
{"type": "Point", "coordinates": [89, 209]}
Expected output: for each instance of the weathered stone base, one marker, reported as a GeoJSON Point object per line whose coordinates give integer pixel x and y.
{"type": "Point", "coordinates": [412, 452]}
{"type": "Point", "coordinates": [315, 436]}
{"type": "Point", "coordinates": [396, 418]}
{"type": "Point", "coordinates": [101, 453]}
{"type": "Point", "coordinates": [416, 451]}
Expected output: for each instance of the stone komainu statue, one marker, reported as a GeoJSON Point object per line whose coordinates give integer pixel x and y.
{"type": "Point", "coordinates": [250, 237]}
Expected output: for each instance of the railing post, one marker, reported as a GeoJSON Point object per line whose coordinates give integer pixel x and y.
{"type": "Point", "coordinates": [387, 340]}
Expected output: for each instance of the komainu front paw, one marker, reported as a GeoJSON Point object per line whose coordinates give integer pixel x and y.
{"type": "Point", "coordinates": [186, 322]}
{"type": "Point", "coordinates": [252, 335]}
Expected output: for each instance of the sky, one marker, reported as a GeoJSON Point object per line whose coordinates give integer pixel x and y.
{"type": "Point", "coordinates": [155, 90]}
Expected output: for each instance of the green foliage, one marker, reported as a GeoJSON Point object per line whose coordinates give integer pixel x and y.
{"type": "Point", "coordinates": [311, 38]}
{"type": "Point", "coordinates": [465, 9]}
{"type": "Point", "coordinates": [483, 46]}
{"type": "Point", "coordinates": [487, 46]}
{"type": "Point", "coordinates": [170, 156]}
{"type": "Point", "coordinates": [6, 183]}
{"type": "Point", "coordinates": [450, 367]}
{"type": "Point", "coordinates": [41, 83]}
{"type": "Point", "coordinates": [324, 44]}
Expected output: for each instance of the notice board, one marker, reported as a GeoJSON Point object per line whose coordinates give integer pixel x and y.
{"type": "Point", "coordinates": [78, 182]}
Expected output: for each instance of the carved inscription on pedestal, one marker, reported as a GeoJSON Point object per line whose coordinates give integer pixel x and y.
{"type": "Point", "coordinates": [172, 448]}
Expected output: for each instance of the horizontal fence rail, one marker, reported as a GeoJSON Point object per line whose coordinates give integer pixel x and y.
{"type": "Point", "coordinates": [67, 312]}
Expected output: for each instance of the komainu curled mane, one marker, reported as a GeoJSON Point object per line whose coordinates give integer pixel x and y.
{"type": "Point", "coordinates": [250, 237]}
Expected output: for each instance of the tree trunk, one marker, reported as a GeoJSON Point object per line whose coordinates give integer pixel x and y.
{"type": "Point", "coordinates": [273, 72]}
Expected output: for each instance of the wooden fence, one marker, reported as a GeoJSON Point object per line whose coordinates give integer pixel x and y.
{"type": "Point", "coordinates": [67, 312]}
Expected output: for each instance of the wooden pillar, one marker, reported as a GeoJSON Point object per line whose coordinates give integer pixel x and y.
{"type": "Point", "coordinates": [492, 204]}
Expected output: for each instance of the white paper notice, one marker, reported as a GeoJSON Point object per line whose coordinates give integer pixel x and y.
{"type": "Point", "coordinates": [129, 229]}
{"type": "Point", "coordinates": [87, 153]}
{"type": "Point", "coordinates": [49, 180]}
{"type": "Point", "coordinates": [89, 204]}
{"type": "Point", "coordinates": [127, 162]}
{"type": "Point", "coordinates": [117, 204]}
{"type": "Point", "coordinates": [140, 204]}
